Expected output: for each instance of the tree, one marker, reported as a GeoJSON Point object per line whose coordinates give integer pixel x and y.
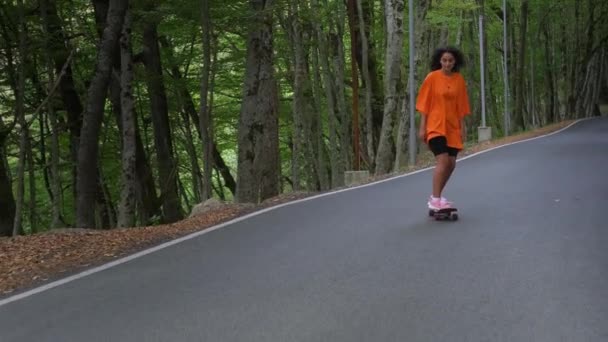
{"type": "Point", "coordinates": [7, 201]}
{"type": "Point", "coordinates": [258, 141]}
{"type": "Point", "coordinates": [167, 166]}
{"type": "Point", "coordinates": [206, 127]}
{"type": "Point", "coordinates": [87, 172]}
{"type": "Point", "coordinates": [392, 85]}
{"type": "Point", "coordinates": [126, 213]}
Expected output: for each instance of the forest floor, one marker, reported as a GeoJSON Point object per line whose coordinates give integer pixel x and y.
{"type": "Point", "coordinates": [32, 260]}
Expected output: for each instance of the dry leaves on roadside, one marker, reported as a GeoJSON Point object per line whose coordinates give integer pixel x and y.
{"type": "Point", "coordinates": [30, 260]}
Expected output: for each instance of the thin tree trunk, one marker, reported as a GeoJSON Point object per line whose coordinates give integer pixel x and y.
{"type": "Point", "coordinates": [402, 147]}
{"type": "Point", "coordinates": [7, 200]}
{"type": "Point", "coordinates": [520, 121]}
{"type": "Point", "coordinates": [317, 125]}
{"type": "Point", "coordinates": [205, 119]}
{"type": "Point", "coordinates": [20, 116]}
{"type": "Point", "coordinates": [258, 146]}
{"type": "Point", "coordinates": [31, 167]}
{"type": "Point", "coordinates": [60, 51]}
{"type": "Point", "coordinates": [147, 198]}
{"type": "Point", "coordinates": [188, 106]}
{"type": "Point", "coordinates": [106, 212]}
{"type": "Point", "coordinates": [148, 202]}
{"type": "Point", "coordinates": [162, 132]}
{"type": "Point", "coordinates": [126, 210]}
{"type": "Point", "coordinates": [336, 162]}
{"type": "Point", "coordinates": [184, 99]}
{"type": "Point", "coordinates": [367, 115]}
{"type": "Point", "coordinates": [56, 193]}
{"type": "Point", "coordinates": [302, 106]}
{"type": "Point", "coordinates": [343, 116]}
{"type": "Point", "coordinates": [352, 25]}
{"type": "Point", "coordinates": [197, 176]}
{"type": "Point", "coordinates": [88, 150]}
{"type": "Point", "coordinates": [376, 79]}
{"type": "Point", "coordinates": [386, 147]}
{"type": "Point", "coordinates": [550, 110]}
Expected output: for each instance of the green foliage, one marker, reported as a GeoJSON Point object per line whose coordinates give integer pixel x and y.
{"type": "Point", "coordinates": [451, 13]}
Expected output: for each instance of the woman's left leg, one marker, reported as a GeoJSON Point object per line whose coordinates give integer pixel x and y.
{"type": "Point", "coordinates": [451, 165]}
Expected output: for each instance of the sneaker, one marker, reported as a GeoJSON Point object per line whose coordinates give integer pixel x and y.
{"type": "Point", "coordinates": [445, 202]}
{"type": "Point", "coordinates": [438, 203]}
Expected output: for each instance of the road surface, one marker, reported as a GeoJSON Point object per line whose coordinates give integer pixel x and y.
{"type": "Point", "coordinates": [527, 261]}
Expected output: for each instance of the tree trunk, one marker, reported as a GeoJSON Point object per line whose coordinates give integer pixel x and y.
{"type": "Point", "coordinates": [304, 146]}
{"type": "Point", "coordinates": [88, 149]}
{"type": "Point", "coordinates": [337, 163]}
{"type": "Point", "coordinates": [258, 147]}
{"type": "Point", "coordinates": [188, 106]}
{"type": "Point", "coordinates": [402, 146]}
{"type": "Point", "coordinates": [60, 52]}
{"type": "Point", "coordinates": [320, 151]}
{"type": "Point", "coordinates": [520, 121]}
{"type": "Point", "coordinates": [126, 210]}
{"type": "Point", "coordinates": [589, 95]}
{"type": "Point", "coordinates": [205, 119]}
{"type": "Point", "coordinates": [386, 147]}
{"type": "Point", "coordinates": [375, 78]}
{"type": "Point", "coordinates": [160, 119]}
{"type": "Point", "coordinates": [197, 177]}
{"type": "Point", "coordinates": [368, 91]}
{"type": "Point", "coordinates": [147, 198]}
{"type": "Point", "coordinates": [551, 108]}
{"type": "Point", "coordinates": [55, 179]}
{"type": "Point", "coordinates": [7, 201]}
{"type": "Point", "coordinates": [31, 168]}
{"type": "Point", "coordinates": [149, 203]}
{"type": "Point", "coordinates": [343, 116]}
{"type": "Point", "coordinates": [23, 128]}
{"type": "Point", "coordinates": [106, 212]}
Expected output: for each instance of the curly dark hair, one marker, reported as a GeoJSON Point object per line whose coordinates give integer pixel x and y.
{"type": "Point", "coordinates": [458, 56]}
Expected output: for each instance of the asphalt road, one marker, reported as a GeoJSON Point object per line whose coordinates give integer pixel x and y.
{"type": "Point", "coordinates": [527, 261]}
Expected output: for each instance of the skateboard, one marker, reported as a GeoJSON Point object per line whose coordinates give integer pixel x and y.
{"type": "Point", "coordinates": [444, 214]}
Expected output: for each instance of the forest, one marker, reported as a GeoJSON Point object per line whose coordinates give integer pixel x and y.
{"type": "Point", "coordinates": [125, 113]}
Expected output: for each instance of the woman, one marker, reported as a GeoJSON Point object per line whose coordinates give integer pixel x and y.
{"type": "Point", "coordinates": [443, 103]}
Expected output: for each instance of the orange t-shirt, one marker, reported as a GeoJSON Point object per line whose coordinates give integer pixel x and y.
{"type": "Point", "coordinates": [444, 100]}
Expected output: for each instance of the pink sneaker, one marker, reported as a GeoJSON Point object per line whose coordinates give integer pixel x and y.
{"type": "Point", "coordinates": [445, 201]}
{"type": "Point", "coordinates": [435, 203]}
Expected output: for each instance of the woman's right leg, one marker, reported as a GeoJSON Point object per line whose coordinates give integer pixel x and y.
{"type": "Point", "coordinates": [443, 170]}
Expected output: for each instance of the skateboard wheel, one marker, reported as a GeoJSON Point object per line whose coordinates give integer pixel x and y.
{"type": "Point", "coordinates": [455, 217]}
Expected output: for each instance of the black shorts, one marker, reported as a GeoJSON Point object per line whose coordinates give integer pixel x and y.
{"type": "Point", "coordinates": [439, 145]}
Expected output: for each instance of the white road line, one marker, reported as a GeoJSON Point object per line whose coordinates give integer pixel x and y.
{"type": "Point", "coordinates": [239, 219]}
